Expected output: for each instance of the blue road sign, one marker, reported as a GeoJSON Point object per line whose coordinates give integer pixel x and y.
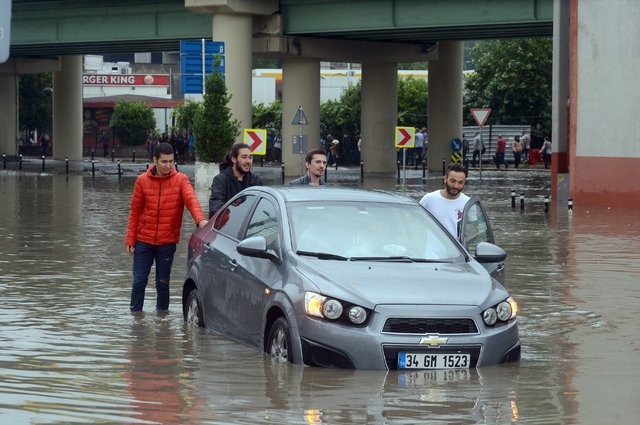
{"type": "Point", "coordinates": [194, 56]}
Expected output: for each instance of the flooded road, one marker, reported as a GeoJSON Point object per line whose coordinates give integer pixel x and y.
{"type": "Point", "coordinates": [72, 353]}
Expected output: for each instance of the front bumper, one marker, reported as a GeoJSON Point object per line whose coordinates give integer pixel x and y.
{"type": "Point", "coordinates": [328, 344]}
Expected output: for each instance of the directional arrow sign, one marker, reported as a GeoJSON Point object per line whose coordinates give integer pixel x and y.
{"type": "Point", "coordinates": [405, 137]}
{"type": "Point", "coordinates": [256, 138]}
{"type": "Point", "coordinates": [480, 115]}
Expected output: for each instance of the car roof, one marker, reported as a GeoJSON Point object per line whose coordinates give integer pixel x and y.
{"type": "Point", "coordinates": [331, 193]}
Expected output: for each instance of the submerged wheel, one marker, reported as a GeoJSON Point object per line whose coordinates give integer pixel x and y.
{"type": "Point", "coordinates": [193, 311]}
{"type": "Point", "coordinates": [279, 341]}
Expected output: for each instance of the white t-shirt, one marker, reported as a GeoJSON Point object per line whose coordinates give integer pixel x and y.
{"type": "Point", "coordinates": [447, 211]}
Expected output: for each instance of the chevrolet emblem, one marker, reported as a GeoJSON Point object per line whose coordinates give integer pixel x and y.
{"type": "Point", "coordinates": [433, 340]}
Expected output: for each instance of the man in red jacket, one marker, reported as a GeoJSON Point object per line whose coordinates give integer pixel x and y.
{"type": "Point", "coordinates": [155, 218]}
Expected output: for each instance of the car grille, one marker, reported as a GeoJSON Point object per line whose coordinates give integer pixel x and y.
{"type": "Point", "coordinates": [399, 325]}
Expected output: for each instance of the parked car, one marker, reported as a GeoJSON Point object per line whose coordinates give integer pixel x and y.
{"type": "Point", "coordinates": [349, 278]}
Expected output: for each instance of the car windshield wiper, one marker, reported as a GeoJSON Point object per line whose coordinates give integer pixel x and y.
{"type": "Point", "coordinates": [400, 258]}
{"type": "Point", "coordinates": [323, 255]}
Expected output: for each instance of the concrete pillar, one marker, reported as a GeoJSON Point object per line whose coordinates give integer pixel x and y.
{"type": "Point", "coordinates": [236, 32]}
{"type": "Point", "coordinates": [379, 116]}
{"type": "Point", "coordinates": [560, 104]}
{"type": "Point", "coordinates": [300, 87]}
{"type": "Point", "coordinates": [67, 109]}
{"type": "Point", "coordinates": [8, 114]}
{"type": "Point", "coordinates": [445, 103]}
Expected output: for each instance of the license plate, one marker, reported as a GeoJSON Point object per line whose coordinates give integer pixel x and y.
{"type": "Point", "coordinates": [433, 361]}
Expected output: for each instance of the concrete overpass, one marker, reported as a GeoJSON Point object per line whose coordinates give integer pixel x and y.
{"type": "Point", "coordinates": [377, 33]}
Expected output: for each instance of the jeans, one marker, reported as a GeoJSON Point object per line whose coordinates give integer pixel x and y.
{"type": "Point", "coordinates": [143, 258]}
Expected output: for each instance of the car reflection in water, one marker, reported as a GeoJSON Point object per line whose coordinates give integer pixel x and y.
{"type": "Point", "coordinates": [348, 278]}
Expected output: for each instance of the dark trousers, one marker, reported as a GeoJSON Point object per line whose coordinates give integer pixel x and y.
{"type": "Point", "coordinates": [143, 258]}
{"type": "Point", "coordinates": [517, 156]}
{"type": "Point", "coordinates": [476, 154]}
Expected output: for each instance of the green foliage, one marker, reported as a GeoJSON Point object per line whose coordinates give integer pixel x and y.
{"type": "Point", "coordinates": [412, 102]}
{"type": "Point", "coordinates": [131, 121]}
{"type": "Point", "coordinates": [214, 127]}
{"type": "Point", "coordinates": [342, 116]}
{"type": "Point", "coordinates": [268, 116]}
{"type": "Point", "coordinates": [185, 115]}
{"type": "Point", "coordinates": [513, 78]}
{"type": "Point", "coordinates": [35, 100]}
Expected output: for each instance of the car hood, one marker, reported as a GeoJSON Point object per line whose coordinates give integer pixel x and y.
{"type": "Point", "coordinates": [373, 283]}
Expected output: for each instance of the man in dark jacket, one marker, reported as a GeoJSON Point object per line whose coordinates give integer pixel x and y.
{"type": "Point", "coordinates": [235, 175]}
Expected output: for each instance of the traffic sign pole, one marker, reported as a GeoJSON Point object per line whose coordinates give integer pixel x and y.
{"type": "Point", "coordinates": [480, 115]}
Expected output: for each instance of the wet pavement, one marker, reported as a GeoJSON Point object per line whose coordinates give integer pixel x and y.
{"type": "Point", "coordinates": [72, 352]}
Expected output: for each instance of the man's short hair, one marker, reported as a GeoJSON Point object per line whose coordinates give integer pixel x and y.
{"type": "Point", "coordinates": [162, 148]}
{"type": "Point", "coordinates": [316, 151]}
{"type": "Point", "coordinates": [457, 168]}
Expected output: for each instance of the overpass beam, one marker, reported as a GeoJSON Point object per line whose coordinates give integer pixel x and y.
{"type": "Point", "coordinates": [67, 109]}
{"type": "Point", "coordinates": [445, 103]}
{"type": "Point", "coordinates": [300, 87]}
{"type": "Point", "coordinates": [8, 114]}
{"type": "Point", "coordinates": [379, 116]}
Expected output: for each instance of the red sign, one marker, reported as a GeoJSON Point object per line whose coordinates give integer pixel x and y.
{"type": "Point", "coordinates": [256, 138]}
{"type": "Point", "coordinates": [125, 80]}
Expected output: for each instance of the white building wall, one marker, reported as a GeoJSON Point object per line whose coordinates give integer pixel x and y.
{"type": "Point", "coordinates": [608, 85]}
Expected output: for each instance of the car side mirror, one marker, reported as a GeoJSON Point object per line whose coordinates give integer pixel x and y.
{"type": "Point", "coordinates": [489, 253]}
{"type": "Point", "coordinates": [256, 246]}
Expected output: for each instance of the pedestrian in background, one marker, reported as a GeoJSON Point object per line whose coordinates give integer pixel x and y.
{"type": "Point", "coordinates": [516, 148]}
{"type": "Point", "coordinates": [525, 141]}
{"type": "Point", "coordinates": [447, 204]}
{"type": "Point", "coordinates": [501, 148]}
{"type": "Point", "coordinates": [478, 148]}
{"type": "Point", "coordinates": [465, 149]}
{"type": "Point", "coordinates": [418, 147]}
{"type": "Point", "coordinates": [235, 175]}
{"type": "Point", "coordinates": [45, 143]}
{"type": "Point", "coordinates": [104, 139]}
{"type": "Point", "coordinates": [155, 219]}
{"type": "Point", "coordinates": [545, 150]}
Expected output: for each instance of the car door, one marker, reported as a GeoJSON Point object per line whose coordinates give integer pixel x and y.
{"type": "Point", "coordinates": [475, 227]}
{"type": "Point", "coordinates": [217, 265]}
{"type": "Point", "coordinates": [251, 279]}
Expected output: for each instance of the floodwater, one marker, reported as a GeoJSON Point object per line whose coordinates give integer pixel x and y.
{"type": "Point", "coordinates": [72, 353]}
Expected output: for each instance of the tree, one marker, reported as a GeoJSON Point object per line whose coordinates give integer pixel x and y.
{"type": "Point", "coordinates": [412, 102]}
{"type": "Point", "coordinates": [513, 78]}
{"type": "Point", "coordinates": [342, 116]}
{"type": "Point", "coordinates": [35, 100]}
{"type": "Point", "coordinates": [214, 128]}
{"type": "Point", "coordinates": [131, 121]}
{"type": "Point", "coordinates": [185, 115]}
{"type": "Point", "coordinates": [268, 116]}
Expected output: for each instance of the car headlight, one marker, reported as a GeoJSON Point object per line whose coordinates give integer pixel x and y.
{"type": "Point", "coordinates": [357, 314]}
{"type": "Point", "coordinates": [503, 312]}
{"type": "Point", "coordinates": [330, 308]}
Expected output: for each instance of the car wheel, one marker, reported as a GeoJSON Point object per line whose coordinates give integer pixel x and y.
{"type": "Point", "coordinates": [193, 312]}
{"type": "Point", "coordinates": [279, 341]}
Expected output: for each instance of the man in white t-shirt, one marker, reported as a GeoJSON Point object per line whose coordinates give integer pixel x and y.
{"type": "Point", "coordinates": [447, 204]}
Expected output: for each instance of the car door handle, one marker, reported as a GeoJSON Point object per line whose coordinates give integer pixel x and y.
{"type": "Point", "coordinates": [234, 264]}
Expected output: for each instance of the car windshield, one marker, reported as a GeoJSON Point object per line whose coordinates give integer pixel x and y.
{"type": "Point", "coordinates": [369, 231]}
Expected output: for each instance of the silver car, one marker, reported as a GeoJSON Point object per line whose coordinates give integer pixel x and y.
{"type": "Point", "coordinates": [350, 278]}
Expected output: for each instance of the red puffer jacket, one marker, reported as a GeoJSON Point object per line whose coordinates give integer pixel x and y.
{"type": "Point", "coordinates": [157, 206]}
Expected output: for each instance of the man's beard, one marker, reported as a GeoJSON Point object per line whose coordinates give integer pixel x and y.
{"type": "Point", "coordinates": [239, 169]}
{"type": "Point", "coordinates": [451, 190]}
